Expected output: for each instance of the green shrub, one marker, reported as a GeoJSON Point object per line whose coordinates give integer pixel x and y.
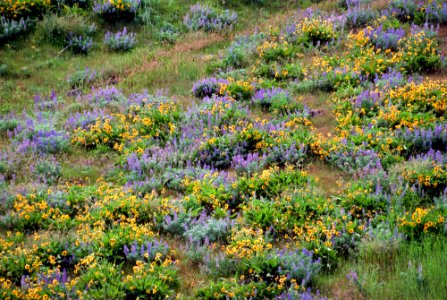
{"type": "Point", "coordinates": [58, 29]}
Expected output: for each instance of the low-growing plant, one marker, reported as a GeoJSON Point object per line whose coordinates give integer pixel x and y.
{"type": "Point", "coordinates": [47, 172]}
{"type": "Point", "coordinates": [81, 79]}
{"type": "Point", "coordinates": [112, 11]}
{"type": "Point", "coordinates": [168, 33]}
{"type": "Point", "coordinates": [202, 17]}
{"type": "Point", "coordinates": [276, 100]}
{"type": "Point", "coordinates": [385, 39]}
{"type": "Point", "coordinates": [8, 124]}
{"type": "Point", "coordinates": [210, 231]}
{"type": "Point", "coordinates": [419, 53]}
{"type": "Point", "coordinates": [4, 70]}
{"type": "Point", "coordinates": [11, 29]}
{"type": "Point", "coordinates": [120, 40]}
{"type": "Point", "coordinates": [315, 31]}
{"type": "Point", "coordinates": [360, 17]}
{"type": "Point", "coordinates": [60, 30]}
{"type": "Point", "coordinates": [207, 87]}
{"type": "Point", "coordinates": [79, 44]}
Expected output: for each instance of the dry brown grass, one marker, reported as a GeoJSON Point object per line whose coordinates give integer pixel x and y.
{"type": "Point", "coordinates": [329, 178]}
{"type": "Point", "coordinates": [379, 4]}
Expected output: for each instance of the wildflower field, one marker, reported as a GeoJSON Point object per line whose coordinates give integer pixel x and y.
{"type": "Point", "coordinates": [217, 149]}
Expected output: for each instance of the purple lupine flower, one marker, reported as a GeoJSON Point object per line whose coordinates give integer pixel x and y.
{"type": "Point", "coordinates": [202, 17]}
{"type": "Point", "coordinates": [120, 40]}
{"type": "Point", "coordinates": [80, 44]}
{"type": "Point", "coordinates": [385, 39]}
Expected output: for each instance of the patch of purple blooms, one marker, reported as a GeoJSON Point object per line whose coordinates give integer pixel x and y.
{"type": "Point", "coordinates": [207, 87]}
{"type": "Point", "coordinates": [45, 103]}
{"type": "Point", "coordinates": [120, 40]}
{"type": "Point", "coordinates": [56, 276]}
{"type": "Point", "coordinates": [203, 17]}
{"type": "Point", "coordinates": [436, 12]}
{"type": "Point", "coordinates": [84, 120]}
{"type": "Point", "coordinates": [361, 163]}
{"type": "Point", "coordinates": [106, 95]}
{"type": "Point", "coordinates": [298, 265]}
{"type": "Point", "coordinates": [368, 100]}
{"type": "Point", "coordinates": [424, 139]}
{"type": "Point", "coordinates": [392, 78]}
{"type": "Point", "coordinates": [307, 295]}
{"type": "Point", "coordinates": [11, 29]}
{"type": "Point", "coordinates": [248, 164]}
{"type": "Point", "coordinates": [39, 136]}
{"type": "Point", "coordinates": [80, 44]}
{"type": "Point", "coordinates": [357, 17]}
{"type": "Point", "coordinates": [287, 154]}
{"type": "Point", "coordinates": [404, 10]}
{"type": "Point", "coordinates": [82, 78]}
{"type": "Point", "coordinates": [146, 251]}
{"type": "Point", "coordinates": [385, 38]}
{"type": "Point", "coordinates": [432, 155]}
{"type": "Point", "coordinates": [264, 97]}
{"type": "Point", "coordinates": [429, 29]}
{"type": "Point", "coordinates": [205, 230]}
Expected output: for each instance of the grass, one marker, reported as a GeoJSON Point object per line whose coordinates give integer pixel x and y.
{"type": "Point", "coordinates": [412, 270]}
{"type": "Point", "coordinates": [329, 178]}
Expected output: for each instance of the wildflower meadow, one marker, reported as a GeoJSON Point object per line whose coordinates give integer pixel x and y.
{"type": "Point", "coordinates": [223, 149]}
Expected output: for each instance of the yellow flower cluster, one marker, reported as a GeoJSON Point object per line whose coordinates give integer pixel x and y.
{"type": "Point", "coordinates": [424, 219]}
{"type": "Point", "coordinates": [23, 8]}
{"type": "Point", "coordinates": [246, 243]}
{"type": "Point", "coordinates": [134, 127]}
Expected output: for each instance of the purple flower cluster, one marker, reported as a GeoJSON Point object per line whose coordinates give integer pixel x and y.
{"type": "Point", "coordinates": [432, 155]}
{"type": "Point", "coordinates": [362, 163]}
{"type": "Point", "coordinates": [368, 100]}
{"type": "Point", "coordinates": [357, 17]}
{"type": "Point", "coordinates": [11, 29]}
{"type": "Point", "coordinates": [424, 139]}
{"type": "Point", "coordinates": [39, 136]}
{"type": "Point", "coordinates": [205, 230]}
{"type": "Point", "coordinates": [385, 38]}
{"type": "Point", "coordinates": [436, 12]}
{"type": "Point", "coordinates": [307, 295]}
{"type": "Point", "coordinates": [84, 120]}
{"type": "Point", "coordinates": [56, 276]}
{"type": "Point", "coordinates": [264, 97]}
{"type": "Point", "coordinates": [82, 78]}
{"type": "Point", "coordinates": [207, 87]}
{"type": "Point", "coordinates": [391, 79]}
{"type": "Point", "coordinates": [146, 251]}
{"type": "Point", "coordinates": [202, 17]}
{"type": "Point", "coordinates": [106, 95]}
{"type": "Point", "coordinates": [120, 40]}
{"type": "Point", "coordinates": [298, 265]}
{"type": "Point", "coordinates": [248, 164]}
{"type": "Point", "coordinates": [45, 103]}
{"type": "Point", "coordinates": [404, 10]}
{"type": "Point", "coordinates": [211, 113]}
{"type": "Point", "coordinates": [80, 44]}
{"type": "Point", "coordinates": [429, 29]}
{"type": "Point", "coordinates": [287, 154]}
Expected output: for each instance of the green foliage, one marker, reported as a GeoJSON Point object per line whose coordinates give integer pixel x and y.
{"type": "Point", "coordinates": [57, 29]}
{"type": "Point", "coordinates": [419, 53]}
